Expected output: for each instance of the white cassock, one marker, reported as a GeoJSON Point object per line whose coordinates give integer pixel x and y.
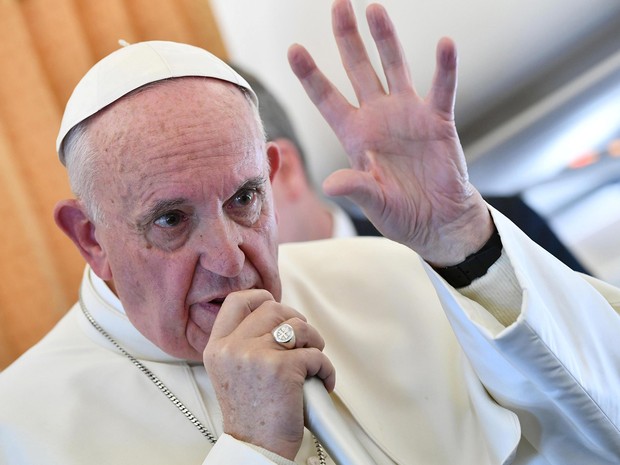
{"type": "Point", "coordinates": [426, 374]}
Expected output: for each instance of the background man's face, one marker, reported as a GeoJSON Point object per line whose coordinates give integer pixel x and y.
{"type": "Point", "coordinates": [187, 200]}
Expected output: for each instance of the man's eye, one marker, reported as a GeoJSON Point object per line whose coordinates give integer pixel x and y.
{"type": "Point", "coordinates": [245, 206]}
{"type": "Point", "coordinates": [244, 198]}
{"type": "Point", "coordinates": [170, 219]}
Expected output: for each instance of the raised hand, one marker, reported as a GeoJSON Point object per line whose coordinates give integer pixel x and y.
{"type": "Point", "coordinates": [259, 382]}
{"type": "Point", "coordinates": [408, 171]}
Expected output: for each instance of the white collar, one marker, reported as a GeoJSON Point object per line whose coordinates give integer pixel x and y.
{"type": "Point", "coordinates": [342, 224]}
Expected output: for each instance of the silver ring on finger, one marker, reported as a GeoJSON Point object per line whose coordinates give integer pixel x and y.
{"type": "Point", "coordinates": [284, 335]}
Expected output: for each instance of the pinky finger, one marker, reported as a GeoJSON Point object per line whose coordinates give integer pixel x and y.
{"type": "Point", "coordinates": [321, 367]}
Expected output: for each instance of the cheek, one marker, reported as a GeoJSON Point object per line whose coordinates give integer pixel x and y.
{"type": "Point", "coordinates": [153, 287]}
{"type": "Point", "coordinates": [155, 303]}
{"type": "Point", "coordinates": [263, 254]}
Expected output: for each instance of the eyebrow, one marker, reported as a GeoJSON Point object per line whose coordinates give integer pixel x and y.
{"type": "Point", "coordinates": [158, 209]}
{"type": "Point", "coordinates": [257, 182]}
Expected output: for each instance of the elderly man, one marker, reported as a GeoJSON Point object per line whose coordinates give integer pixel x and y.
{"type": "Point", "coordinates": [190, 343]}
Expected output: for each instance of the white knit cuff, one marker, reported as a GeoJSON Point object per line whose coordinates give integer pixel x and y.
{"type": "Point", "coordinates": [498, 291]}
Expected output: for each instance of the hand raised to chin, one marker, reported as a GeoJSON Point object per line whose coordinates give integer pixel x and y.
{"type": "Point", "coordinates": [258, 381]}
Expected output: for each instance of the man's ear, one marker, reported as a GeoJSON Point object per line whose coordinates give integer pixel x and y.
{"type": "Point", "coordinates": [70, 216]}
{"type": "Point", "coordinates": [291, 177]}
{"type": "Point", "coordinates": [274, 158]}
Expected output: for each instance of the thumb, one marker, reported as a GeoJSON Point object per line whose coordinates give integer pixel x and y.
{"type": "Point", "coordinates": [357, 186]}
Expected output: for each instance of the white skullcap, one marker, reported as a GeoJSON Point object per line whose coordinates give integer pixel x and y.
{"type": "Point", "coordinates": [134, 66]}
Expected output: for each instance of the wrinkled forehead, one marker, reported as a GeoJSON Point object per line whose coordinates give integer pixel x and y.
{"type": "Point", "coordinates": [181, 98]}
{"type": "Point", "coordinates": [178, 121]}
{"type": "Point", "coordinates": [194, 139]}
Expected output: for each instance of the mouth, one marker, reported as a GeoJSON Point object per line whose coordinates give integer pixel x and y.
{"type": "Point", "coordinates": [215, 303]}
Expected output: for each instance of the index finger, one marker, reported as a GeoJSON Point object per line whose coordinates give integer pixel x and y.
{"type": "Point", "coordinates": [326, 97]}
{"type": "Point", "coordinates": [235, 308]}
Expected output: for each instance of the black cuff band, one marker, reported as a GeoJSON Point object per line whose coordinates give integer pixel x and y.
{"type": "Point", "coordinates": [475, 265]}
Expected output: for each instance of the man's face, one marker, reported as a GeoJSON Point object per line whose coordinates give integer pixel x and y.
{"type": "Point", "coordinates": [188, 210]}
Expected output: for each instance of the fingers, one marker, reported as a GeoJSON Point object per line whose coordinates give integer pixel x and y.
{"type": "Point", "coordinates": [321, 367]}
{"type": "Point", "coordinates": [355, 57]}
{"type": "Point", "coordinates": [443, 91]}
{"type": "Point", "coordinates": [358, 186]}
{"type": "Point", "coordinates": [353, 53]}
{"type": "Point", "coordinates": [296, 333]}
{"type": "Point", "coordinates": [359, 69]}
{"type": "Point", "coordinates": [255, 314]}
{"type": "Point", "coordinates": [329, 101]}
{"type": "Point", "coordinates": [390, 49]}
{"type": "Point", "coordinates": [235, 308]}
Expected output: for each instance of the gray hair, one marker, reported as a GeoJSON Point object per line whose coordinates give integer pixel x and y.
{"type": "Point", "coordinates": [83, 163]}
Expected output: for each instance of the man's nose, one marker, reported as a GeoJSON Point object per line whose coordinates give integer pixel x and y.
{"type": "Point", "coordinates": [220, 251]}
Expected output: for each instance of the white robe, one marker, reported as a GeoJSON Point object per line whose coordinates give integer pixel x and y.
{"type": "Point", "coordinates": [418, 383]}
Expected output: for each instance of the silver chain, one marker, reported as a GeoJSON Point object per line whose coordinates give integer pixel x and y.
{"type": "Point", "coordinates": [167, 392]}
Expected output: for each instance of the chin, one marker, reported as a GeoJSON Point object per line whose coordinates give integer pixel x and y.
{"type": "Point", "coordinates": [184, 346]}
{"type": "Point", "coordinates": [195, 349]}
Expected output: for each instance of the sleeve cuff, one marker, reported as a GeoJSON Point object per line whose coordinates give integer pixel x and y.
{"type": "Point", "coordinates": [273, 457]}
{"type": "Point", "coordinates": [498, 291]}
{"type": "Point", "coordinates": [475, 265]}
{"type": "Point", "coordinates": [231, 451]}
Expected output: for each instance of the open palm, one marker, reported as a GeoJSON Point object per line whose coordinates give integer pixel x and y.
{"type": "Point", "coordinates": [408, 171]}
